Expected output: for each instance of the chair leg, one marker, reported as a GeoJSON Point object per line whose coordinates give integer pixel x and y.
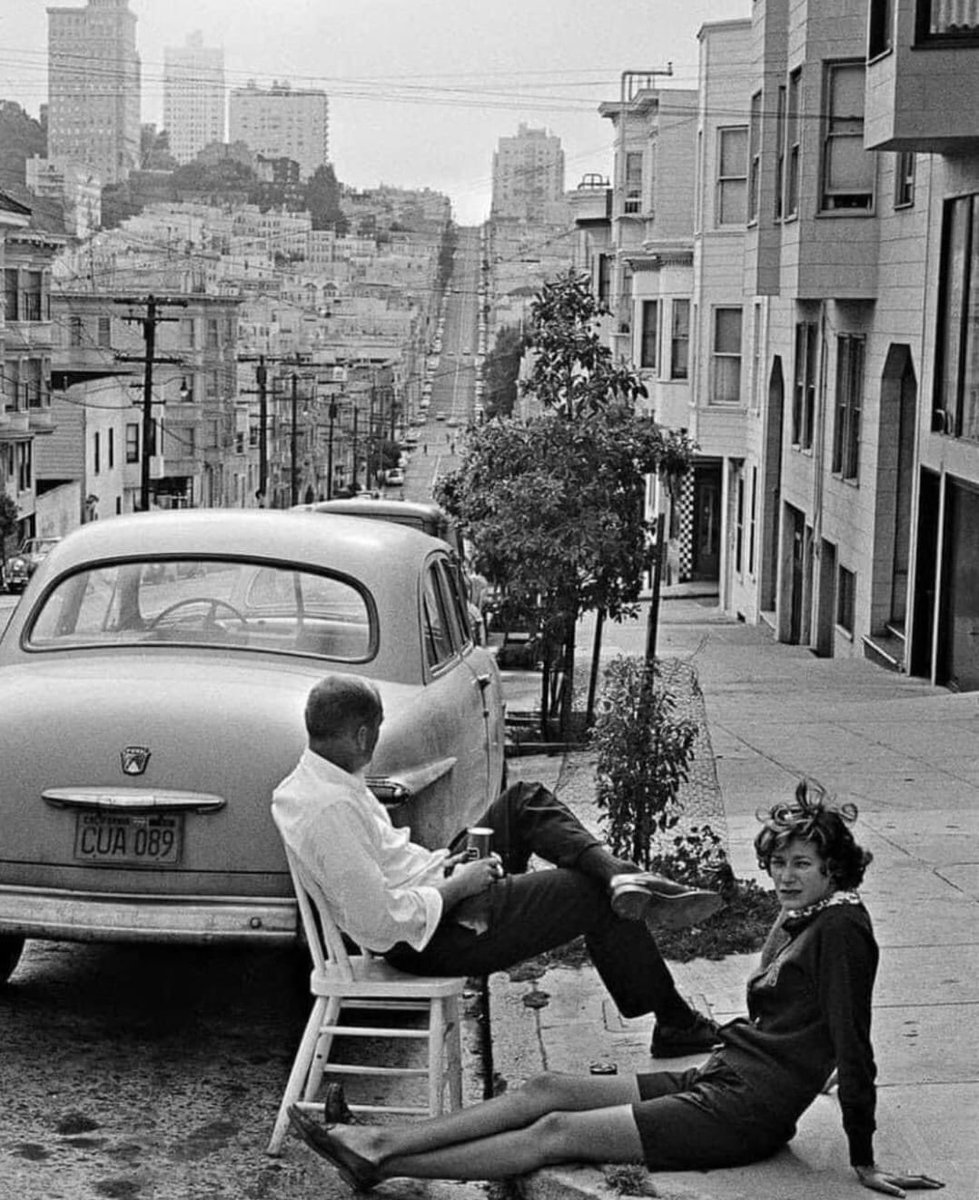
{"type": "Point", "coordinates": [436, 1056]}
{"type": "Point", "coordinates": [321, 1052]}
{"type": "Point", "coordinates": [297, 1075]}
{"type": "Point", "coordinates": [453, 1053]}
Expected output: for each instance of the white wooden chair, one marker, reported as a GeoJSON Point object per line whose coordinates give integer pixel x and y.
{"type": "Point", "coordinates": [360, 981]}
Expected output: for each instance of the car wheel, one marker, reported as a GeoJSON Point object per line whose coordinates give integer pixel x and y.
{"type": "Point", "coordinates": [11, 945]}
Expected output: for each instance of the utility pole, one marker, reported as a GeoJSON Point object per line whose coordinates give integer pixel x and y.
{"type": "Point", "coordinates": [149, 324]}
{"type": "Point", "coordinates": [261, 378]}
{"type": "Point", "coordinates": [329, 451]}
{"type": "Point", "coordinates": [293, 481]}
{"type": "Point", "coordinates": [353, 482]}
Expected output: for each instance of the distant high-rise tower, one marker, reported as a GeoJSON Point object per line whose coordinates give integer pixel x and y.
{"type": "Point", "coordinates": [93, 88]}
{"type": "Point", "coordinates": [193, 96]}
{"type": "Point", "coordinates": [282, 122]}
{"type": "Point", "coordinates": [528, 174]}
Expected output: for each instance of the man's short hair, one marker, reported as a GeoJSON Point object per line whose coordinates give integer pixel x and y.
{"type": "Point", "coordinates": [339, 703]}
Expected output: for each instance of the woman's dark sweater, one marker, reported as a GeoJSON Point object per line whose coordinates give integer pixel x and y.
{"type": "Point", "coordinates": [809, 1011]}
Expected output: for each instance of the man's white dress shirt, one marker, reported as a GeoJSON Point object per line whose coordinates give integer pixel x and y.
{"type": "Point", "coordinates": [379, 884]}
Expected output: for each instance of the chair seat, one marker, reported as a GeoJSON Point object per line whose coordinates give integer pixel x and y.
{"type": "Point", "coordinates": [375, 977]}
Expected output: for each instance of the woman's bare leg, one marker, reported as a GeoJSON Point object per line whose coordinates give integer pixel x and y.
{"type": "Point", "coordinates": [542, 1095]}
{"type": "Point", "coordinates": [595, 1135]}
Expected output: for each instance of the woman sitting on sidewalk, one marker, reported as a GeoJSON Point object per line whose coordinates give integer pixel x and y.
{"type": "Point", "coordinates": [809, 1006]}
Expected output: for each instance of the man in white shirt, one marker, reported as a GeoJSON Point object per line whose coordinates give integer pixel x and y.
{"type": "Point", "coordinates": [433, 912]}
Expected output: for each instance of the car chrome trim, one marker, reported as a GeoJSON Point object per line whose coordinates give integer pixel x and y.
{"type": "Point", "coordinates": [133, 799]}
{"type": "Point", "coordinates": [59, 914]}
{"type": "Point", "coordinates": [405, 785]}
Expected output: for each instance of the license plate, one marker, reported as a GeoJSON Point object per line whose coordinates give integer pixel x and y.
{"type": "Point", "coordinates": [153, 839]}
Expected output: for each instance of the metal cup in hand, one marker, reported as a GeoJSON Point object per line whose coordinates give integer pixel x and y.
{"type": "Point", "coordinates": [479, 842]}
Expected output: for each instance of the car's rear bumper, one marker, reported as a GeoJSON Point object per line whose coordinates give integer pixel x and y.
{"type": "Point", "coordinates": [103, 917]}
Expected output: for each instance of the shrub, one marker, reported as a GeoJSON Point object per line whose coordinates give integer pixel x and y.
{"type": "Point", "coordinates": [643, 756]}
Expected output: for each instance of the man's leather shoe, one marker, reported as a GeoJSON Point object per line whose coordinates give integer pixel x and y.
{"type": "Point", "coordinates": [660, 902]}
{"type": "Point", "coordinates": [674, 1041]}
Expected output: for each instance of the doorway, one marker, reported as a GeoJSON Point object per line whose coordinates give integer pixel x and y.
{"type": "Point", "coordinates": [958, 653]}
{"type": "Point", "coordinates": [706, 542]}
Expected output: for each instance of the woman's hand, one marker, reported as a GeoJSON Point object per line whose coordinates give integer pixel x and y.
{"type": "Point", "coordinates": [893, 1183]}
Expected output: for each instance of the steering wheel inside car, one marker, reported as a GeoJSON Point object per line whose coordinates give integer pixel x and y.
{"type": "Point", "coordinates": [210, 617]}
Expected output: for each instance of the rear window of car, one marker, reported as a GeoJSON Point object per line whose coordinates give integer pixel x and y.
{"type": "Point", "coordinates": [225, 604]}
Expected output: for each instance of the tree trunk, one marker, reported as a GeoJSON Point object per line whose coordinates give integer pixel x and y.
{"type": "Point", "coordinates": [596, 652]}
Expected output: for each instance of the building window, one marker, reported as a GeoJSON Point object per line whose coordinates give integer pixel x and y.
{"type": "Point", "coordinates": [132, 442]}
{"type": "Point", "coordinates": [97, 451]}
{"type": "Point", "coordinates": [804, 390]}
{"type": "Point", "coordinates": [754, 157]}
{"type": "Point", "coordinates": [25, 466]}
{"type": "Point", "coordinates": [33, 307]}
{"type": "Point", "coordinates": [781, 121]}
{"type": "Point", "coordinates": [956, 404]}
{"type": "Point", "coordinates": [732, 175]}
{"type": "Point", "coordinates": [76, 331]}
{"type": "Point", "coordinates": [112, 448]}
{"type": "Point", "coordinates": [846, 594]}
{"type": "Point", "coordinates": [947, 20]}
{"type": "Point", "coordinates": [187, 338]}
{"type": "Point", "coordinates": [726, 357]}
{"type": "Point", "coordinates": [680, 340]}
{"type": "Point", "coordinates": [904, 162]}
{"type": "Point", "coordinates": [880, 37]}
{"type": "Point", "coordinates": [212, 334]}
{"type": "Point", "coordinates": [792, 148]}
{"type": "Point", "coordinates": [604, 277]}
{"type": "Point", "coordinates": [849, 403]}
{"type": "Point", "coordinates": [105, 333]}
{"type": "Point", "coordinates": [35, 385]}
{"type": "Point", "coordinates": [11, 293]}
{"type": "Point", "coordinates": [650, 330]}
{"type": "Point", "coordinates": [633, 183]}
{"type": "Point", "coordinates": [848, 169]}
{"type": "Point", "coordinates": [757, 355]}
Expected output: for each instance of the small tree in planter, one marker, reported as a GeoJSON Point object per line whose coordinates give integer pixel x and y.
{"type": "Point", "coordinates": [644, 753]}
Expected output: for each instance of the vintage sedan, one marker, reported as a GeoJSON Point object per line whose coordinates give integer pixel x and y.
{"type": "Point", "coordinates": [21, 566]}
{"type": "Point", "coordinates": [152, 681]}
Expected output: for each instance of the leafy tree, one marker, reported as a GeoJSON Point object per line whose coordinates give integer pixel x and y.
{"type": "Point", "coordinates": [21, 137]}
{"type": "Point", "coordinates": [554, 505]}
{"type": "Point", "coordinates": [154, 150]}
{"type": "Point", "coordinates": [501, 370]}
{"type": "Point", "coordinates": [323, 201]}
{"type": "Point", "coordinates": [9, 518]}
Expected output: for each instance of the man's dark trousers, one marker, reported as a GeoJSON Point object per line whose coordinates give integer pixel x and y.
{"type": "Point", "coordinates": [528, 913]}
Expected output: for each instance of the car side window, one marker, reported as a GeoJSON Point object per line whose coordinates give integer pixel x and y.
{"type": "Point", "coordinates": [437, 631]}
{"type": "Point", "coordinates": [455, 591]}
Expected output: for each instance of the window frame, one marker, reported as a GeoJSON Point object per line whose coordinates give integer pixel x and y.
{"type": "Point", "coordinates": [804, 382]}
{"type": "Point", "coordinates": [735, 184]}
{"type": "Point", "coordinates": [717, 356]}
{"type": "Point", "coordinates": [839, 128]}
{"type": "Point", "coordinates": [850, 355]}
{"type": "Point", "coordinates": [956, 338]}
{"type": "Point", "coordinates": [649, 336]}
{"type": "Point", "coordinates": [632, 183]}
{"type": "Point", "coordinates": [793, 145]}
{"type": "Point", "coordinates": [846, 599]}
{"type": "Point", "coordinates": [905, 171]}
{"type": "Point", "coordinates": [754, 158]}
{"type": "Point", "coordinates": [679, 304]}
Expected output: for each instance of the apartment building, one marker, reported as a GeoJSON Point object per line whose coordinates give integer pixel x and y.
{"type": "Point", "coordinates": [194, 98]}
{"type": "Point", "coordinates": [93, 88]}
{"type": "Point", "coordinates": [26, 341]}
{"type": "Point", "coordinates": [528, 176]}
{"type": "Point", "coordinates": [922, 95]}
{"type": "Point", "coordinates": [832, 386]}
{"type": "Point", "coordinates": [282, 122]}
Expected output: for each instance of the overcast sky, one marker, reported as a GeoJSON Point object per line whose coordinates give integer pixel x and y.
{"type": "Point", "coordinates": [420, 90]}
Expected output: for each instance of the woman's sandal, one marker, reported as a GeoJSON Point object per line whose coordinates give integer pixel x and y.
{"type": "Point", "coordinates": [355, 1170]}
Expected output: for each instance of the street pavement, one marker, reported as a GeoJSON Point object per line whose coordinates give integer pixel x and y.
{"type": "Point", "coordinates": [908, 755]}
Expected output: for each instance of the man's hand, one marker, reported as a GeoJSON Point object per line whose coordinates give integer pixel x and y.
{"type": "Point", "coordinates": [893, 1183]}
{"type": "Point", "coordinates": [468, 877]}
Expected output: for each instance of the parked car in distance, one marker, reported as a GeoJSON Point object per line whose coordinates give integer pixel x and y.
{"type": "Point", "coordinates": [149, 714]}
{"type": "Point", "coordinates": [21, 566]}
{"type": "Point", "coordinates": [395, 477]}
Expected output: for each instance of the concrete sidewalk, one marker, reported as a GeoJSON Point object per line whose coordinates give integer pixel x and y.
{"type": "Point", "coordinates": [908, 755]}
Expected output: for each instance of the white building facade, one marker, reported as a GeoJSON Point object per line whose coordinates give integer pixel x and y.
{"type": "Point", "coordinates": [93, 88]}
{"type": "Point", "coordinates": [282, 122]}
{"type": "Point", "coordinates": [194, 99]}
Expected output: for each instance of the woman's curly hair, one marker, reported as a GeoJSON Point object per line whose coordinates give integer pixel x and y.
{"type": "Point", "coordinates": [814, 818]}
